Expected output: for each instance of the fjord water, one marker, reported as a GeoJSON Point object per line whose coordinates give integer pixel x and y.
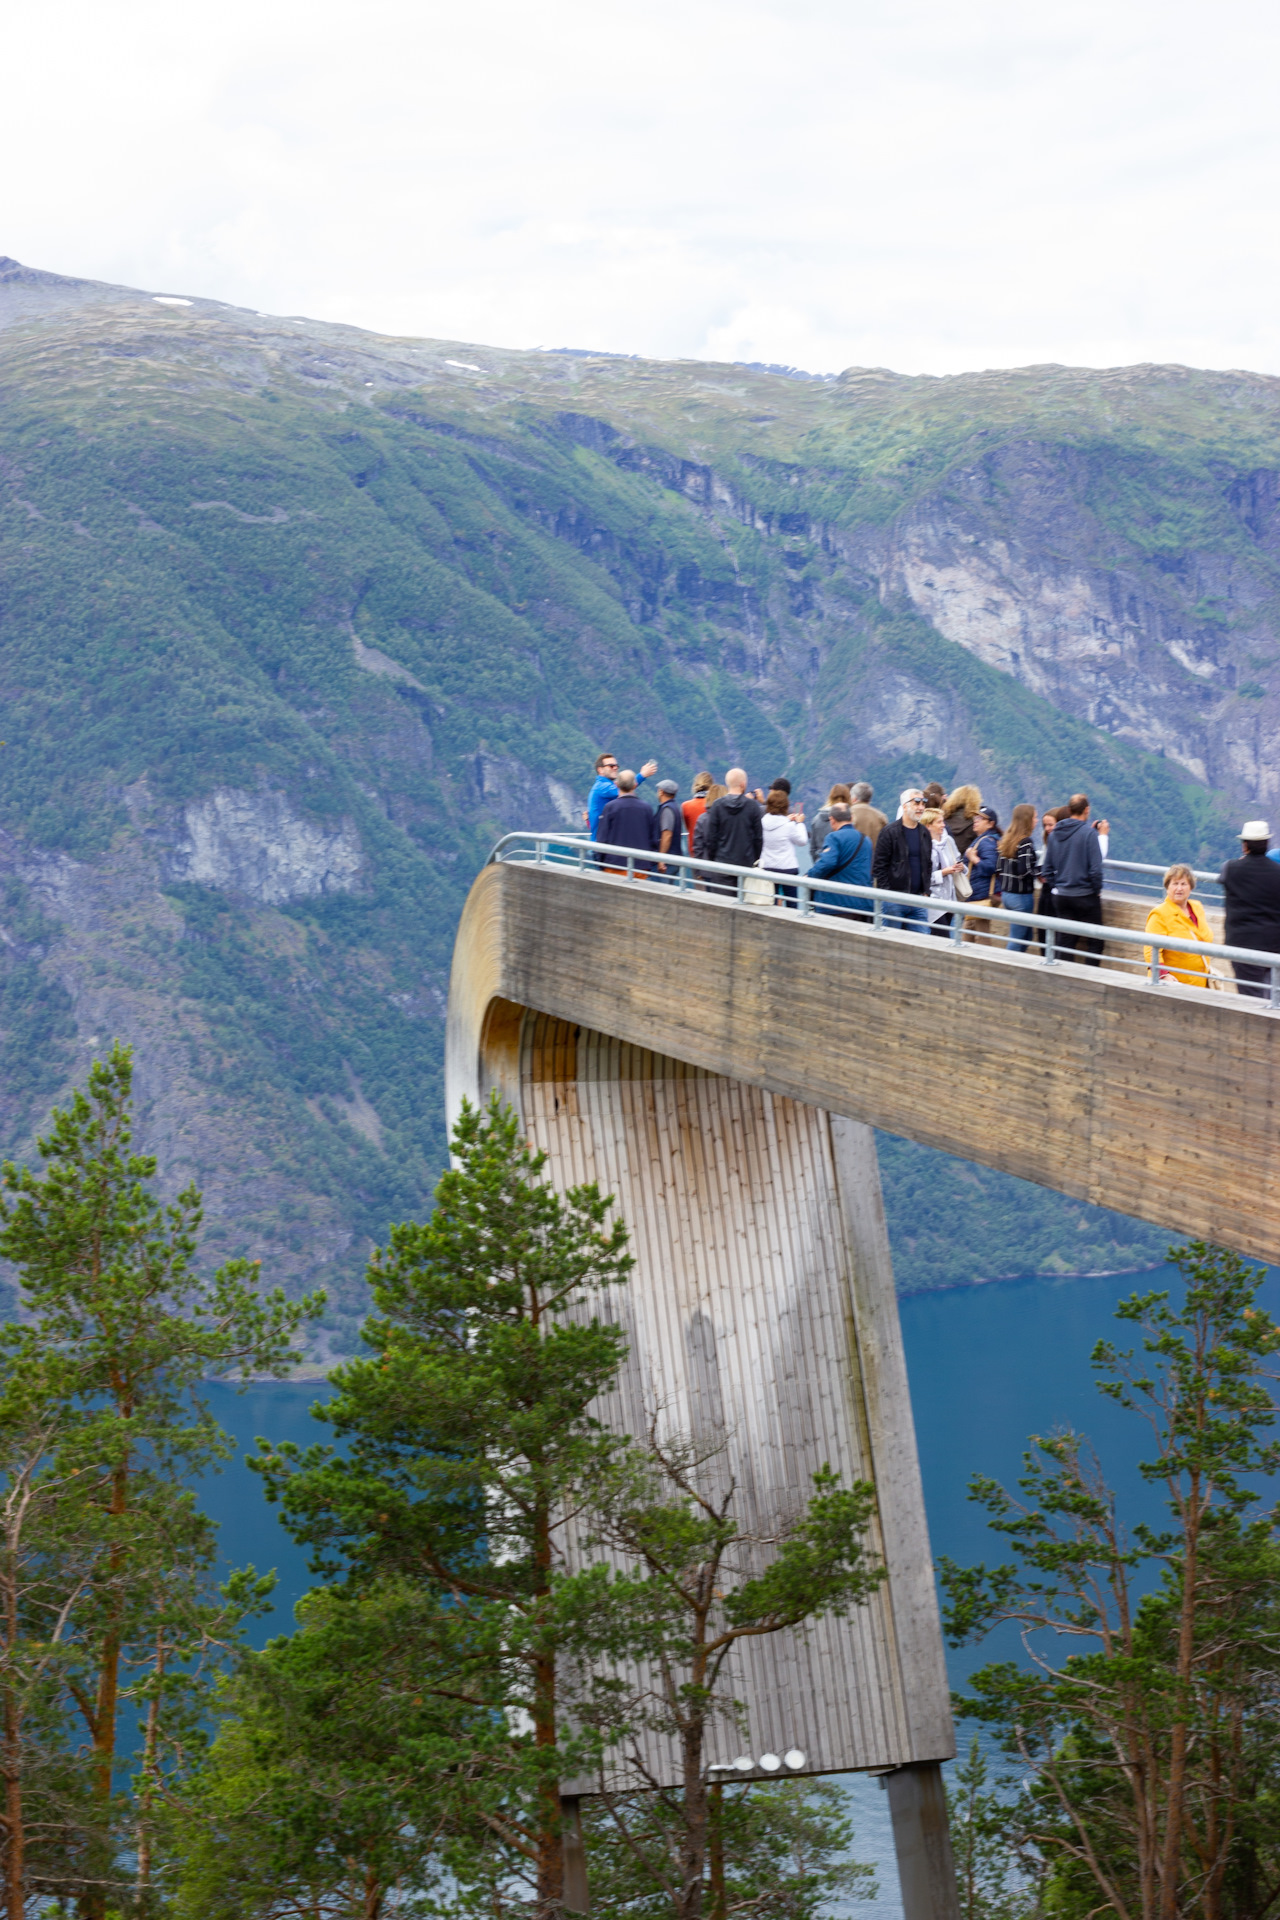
{"type": "Point", "coordinates": [988, 1366]}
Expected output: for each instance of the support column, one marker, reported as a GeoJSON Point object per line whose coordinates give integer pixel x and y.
{"type": "Point", "coordinates": [922, 1842]}
{"type": "Point", "coordinates": [577, 1893]}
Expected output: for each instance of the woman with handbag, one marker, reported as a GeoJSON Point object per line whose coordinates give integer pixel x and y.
{"type": "Point", "coordinates": [1178, 918]}
{"type": "Point", "coordinates": [948, 869]}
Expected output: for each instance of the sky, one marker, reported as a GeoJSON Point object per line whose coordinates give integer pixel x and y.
{"type": "Point", "coordinates": [919, 184]}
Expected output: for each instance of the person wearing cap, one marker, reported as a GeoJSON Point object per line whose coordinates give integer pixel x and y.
{"type": "Point", "coordinates": [669, 823]}
{"type": "Point", "coordinates": [1251, 894]}
{"type": "Point", "coordinates": [846, 857]}
{"type": "Point", "coordinates": [903, 863]}
{"type": "Point", "coordinates": [983, 860]}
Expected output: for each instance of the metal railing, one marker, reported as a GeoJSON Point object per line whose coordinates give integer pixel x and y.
{"type": "Point", "coordinates": [1146, 882]}
{"type": "Point", "coordinates": [1051, 941]}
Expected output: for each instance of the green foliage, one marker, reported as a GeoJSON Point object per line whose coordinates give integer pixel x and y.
{"type": "Point", "coordinates": [467, 1442]}
{"type": "Point", "coordinates": [785, 1850]}
{"type": "Point", "coordinates": [1017, 1229]}
{"type": "Point", "coordinates": [107, 1601]}
{"type": "Point", "coordinates": [37, 1029]}
{"type": "Point", "coordinates": [333, 1777]}
{"type": "Point", "coordinates": [1151, 1747]}
{"type": "Point", "coordinates": [997, 1875]}
{"type": "Point", "coordinates": [695, 1584]}
{"type": "Point", "coordinates": [458, 1515]}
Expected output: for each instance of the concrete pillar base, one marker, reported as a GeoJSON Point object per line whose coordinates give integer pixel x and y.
{"type": "Point", "coordinates": [577, 1892]}
{"type": "Point", "coordinates": [922, 1842]}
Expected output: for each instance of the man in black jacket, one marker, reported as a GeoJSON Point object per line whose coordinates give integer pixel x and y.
{"type": "Point", "coordinates": [732, 832]}
{"type": "Point", "coordinates": [903, 862]}
{"type": "Point", "coordinates": [1072, 875]}
{"type": "Point", "coordinates": [1251, 890]}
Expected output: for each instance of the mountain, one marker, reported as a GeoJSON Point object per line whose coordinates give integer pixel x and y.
{"type": "Point", "coordinates": [295, 620]}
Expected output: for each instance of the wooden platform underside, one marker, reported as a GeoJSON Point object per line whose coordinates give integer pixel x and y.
{"type": "Point", "coordinates": [762, 1328]}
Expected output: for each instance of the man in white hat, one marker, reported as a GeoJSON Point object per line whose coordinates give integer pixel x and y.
{"type": "Point", "coordinates": [1251, 890]}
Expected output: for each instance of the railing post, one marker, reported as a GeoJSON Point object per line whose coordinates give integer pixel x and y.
{"type": "Point", "coordinates": [955, 932]}
{"type": "Point", "coordinates": [631, 866]}
{"type": "Point", "coordinates": [1050, 946]}
{"type": "Point", "coordinates": [540, 853]}
{"type": "Point", "coordinates": [877, 913]}
{"type": "Point", "coordinates": [1154, 968]}
{"type": "Point", "coordinates": [582, 856]}
{"type": "Point", "coordinates": [742, 889]}
{"type": "Point", "coordinates": [1275, 988]}
{"type": "Point", "coordinates": [682, 884]}
{"type": "Point", "coordinates": [804, 898]}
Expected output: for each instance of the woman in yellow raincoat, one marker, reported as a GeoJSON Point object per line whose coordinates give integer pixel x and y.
{"type": "Point", "coordinates": [1179, 919]}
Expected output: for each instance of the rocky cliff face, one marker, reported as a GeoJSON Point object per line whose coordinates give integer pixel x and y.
{"type": "Point", "coordinates": [257, 846]}
{"type": "Point", "coordinates": [1159, 638]}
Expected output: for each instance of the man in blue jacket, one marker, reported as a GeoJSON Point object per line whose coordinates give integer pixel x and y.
{"type": "Point", "coordinates": [1072, 874]}
{"type": "Point", "coordinates": [606, 789]}
{"type": "Point", "coordinates": [845, 857]}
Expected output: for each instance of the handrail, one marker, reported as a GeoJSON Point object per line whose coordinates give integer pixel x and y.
{"type": "Point", "coordinates": [566, 851]}
{"type": "Point", "coordinates": [1120, 869]}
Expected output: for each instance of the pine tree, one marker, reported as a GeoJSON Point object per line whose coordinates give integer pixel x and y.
{"type": "Point", "coordinates": [105, 1424]}
{"type": "Point", "coordinates": [466, 1442]}
{"type": "Point", "coordinates": [1151, 1746]}
{"type": "Point", "coordinates": [694, 1582]}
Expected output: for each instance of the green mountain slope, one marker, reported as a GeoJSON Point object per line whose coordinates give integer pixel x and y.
{"type": "Point", "coordinates": [295, 620]}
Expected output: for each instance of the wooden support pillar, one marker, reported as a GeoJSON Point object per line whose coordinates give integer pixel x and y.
{"type": "Point", "coordinates": [577, 1892]}
{"type": "Point", "coordinates": [922, 1842]}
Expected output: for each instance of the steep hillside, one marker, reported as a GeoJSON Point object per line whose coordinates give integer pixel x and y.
{"type": "Point", "coordinates": [295, 619]}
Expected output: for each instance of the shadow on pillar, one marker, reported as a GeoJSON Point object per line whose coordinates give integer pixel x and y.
{"type": "Point", "coordinates": [922, 1842]}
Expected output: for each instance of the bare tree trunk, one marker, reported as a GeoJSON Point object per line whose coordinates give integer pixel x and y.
{"type": "Point", "coordinates": [373, 1892]}
{"type": "Point", "coordinates": [147, 1795]}
{"type": "Point", "coordinates": [715, 1852]}
{"type": "Point", "coordinates": [550, 1847]}
{"type": "Point", "coordinates": [107, 1705]}
{"type": "Point", "coordinates": [693, 1850]}
{"type": "Point", "coordinates": [1175, 1795]}
{"type": "Point", "coordinates": [15, 1863]}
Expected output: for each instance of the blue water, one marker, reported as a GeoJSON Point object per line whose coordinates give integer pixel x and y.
{"type": "Point", "coordinates": [250, 1531]}
{"type": "Point", "coordinates": [988, 1366]}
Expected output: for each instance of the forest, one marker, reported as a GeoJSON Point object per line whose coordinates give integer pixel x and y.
{"type": "Point", "coordinates": [509, 1596]}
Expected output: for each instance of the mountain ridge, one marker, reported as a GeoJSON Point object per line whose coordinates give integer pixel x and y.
{"type": "Point", "coordinates": [295, 620]}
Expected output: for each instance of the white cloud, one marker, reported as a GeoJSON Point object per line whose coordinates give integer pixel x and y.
{"type": "Point", "coordinates": [891, 182]}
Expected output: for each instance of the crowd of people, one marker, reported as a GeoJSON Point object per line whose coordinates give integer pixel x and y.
{"type": "Point", "coordinates": [948, 850]}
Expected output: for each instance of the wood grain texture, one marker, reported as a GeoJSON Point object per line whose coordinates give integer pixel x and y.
{"type": "Point", "coordinates": [762, 1327]}
{"type": "Point", "coordinates": [1160, 1103]}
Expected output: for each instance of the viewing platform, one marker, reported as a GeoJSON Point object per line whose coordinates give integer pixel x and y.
{"type": "Point", "coordinates": [716, 1062]}
{"type": "Point", "coordinates": [1155, 1099]}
